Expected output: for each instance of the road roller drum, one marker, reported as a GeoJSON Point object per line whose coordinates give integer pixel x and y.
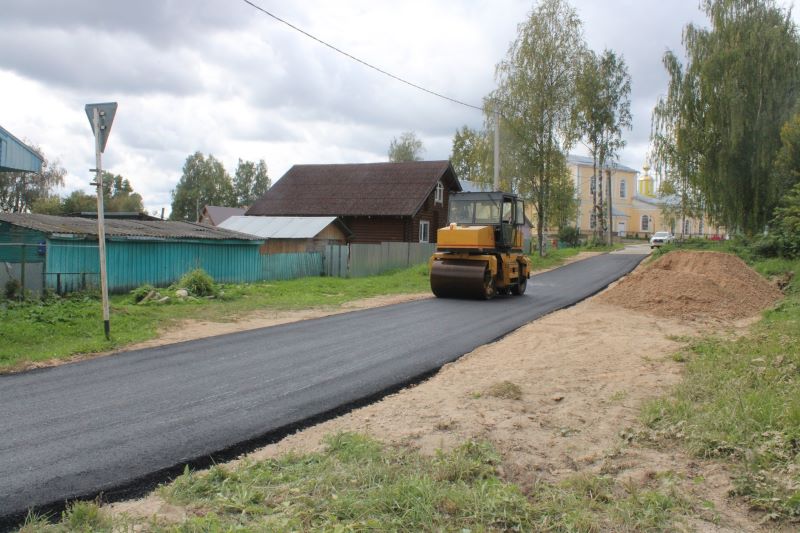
{"type": "Point", "coordinates": [462, 279]}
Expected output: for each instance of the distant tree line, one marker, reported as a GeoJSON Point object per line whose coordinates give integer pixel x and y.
{"type": "Point", "coordinates": [206, 182]}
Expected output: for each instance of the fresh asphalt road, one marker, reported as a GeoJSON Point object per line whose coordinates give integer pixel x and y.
{"type": "Point", "coordinates": [81, 429]}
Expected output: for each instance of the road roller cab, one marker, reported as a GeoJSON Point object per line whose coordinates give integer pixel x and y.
{"type": "Point", "coordinates": [479, 253]}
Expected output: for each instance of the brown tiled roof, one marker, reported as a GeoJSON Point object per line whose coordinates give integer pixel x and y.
{"type": "Point", "coordinates": [157, 229]}
{"type": "Point", "coordinates": [355, 189]}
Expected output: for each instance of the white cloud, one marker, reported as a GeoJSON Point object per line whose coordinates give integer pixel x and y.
{"type": "Point", "coordinates": [222, 78]}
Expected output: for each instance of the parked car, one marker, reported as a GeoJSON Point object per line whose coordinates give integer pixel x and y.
{"type": "Point", "coordinates": [660, 238]}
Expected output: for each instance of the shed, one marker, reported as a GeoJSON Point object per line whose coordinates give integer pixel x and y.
{"type": "Point", "coordinates": [291, 234]}
{"type": "Point", "coordinates": [15, 155]}
{"type": "Point", "coordinates": [138, 251]}
{"type": "Point", "coordinates": [378, 202]}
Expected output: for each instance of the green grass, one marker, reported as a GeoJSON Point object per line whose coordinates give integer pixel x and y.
{"type": "Point", "coordinates": [358, 484]}
{"type": "Point", "coordinates": [58, 328]}
{"type": "Point", "coordinates": [740, 401]}
{"type": "Point", "coordinates": [558, 256]}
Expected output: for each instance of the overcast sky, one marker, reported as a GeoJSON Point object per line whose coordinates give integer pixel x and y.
{"type": "Point", "coordinates": [220, 77]}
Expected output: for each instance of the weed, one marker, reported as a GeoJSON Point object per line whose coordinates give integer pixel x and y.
{"type": "Point", "coordinates": [506, 390]}
{"type": "Point", "coordinates": [198, 283]}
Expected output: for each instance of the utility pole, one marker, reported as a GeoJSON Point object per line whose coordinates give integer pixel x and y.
{"type": "Point", "coordinates": [496, 182]}
{"type": "Point", "coordinates": [100, 117]}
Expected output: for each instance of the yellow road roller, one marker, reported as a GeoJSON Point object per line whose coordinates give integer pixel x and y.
{"type": "Point", "coordinates": [479, 254]}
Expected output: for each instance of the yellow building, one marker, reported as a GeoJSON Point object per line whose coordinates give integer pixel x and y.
{"type": "Point", "coordinates": [637, 210]}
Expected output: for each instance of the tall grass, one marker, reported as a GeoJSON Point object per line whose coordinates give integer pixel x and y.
{"type": "Point", "coordinates": [740, 401]}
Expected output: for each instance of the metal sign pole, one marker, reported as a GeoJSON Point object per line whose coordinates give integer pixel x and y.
{"type": "Point", "coordinates": [101, 226]}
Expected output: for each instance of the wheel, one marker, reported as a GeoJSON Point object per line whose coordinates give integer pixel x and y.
{"type": "Point", "coordinates": [519, 288]}
{"type": "Point", "coordinates": [489, 289]}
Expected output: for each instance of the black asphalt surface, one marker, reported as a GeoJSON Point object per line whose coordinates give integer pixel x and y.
{"type": "Point", "coordinates": [81, 429]}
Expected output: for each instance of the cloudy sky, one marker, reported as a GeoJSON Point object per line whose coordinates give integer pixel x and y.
{"type": "Point", "coordinates": [218, 76]}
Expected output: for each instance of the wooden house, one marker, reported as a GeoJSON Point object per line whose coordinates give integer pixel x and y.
{"type": "Point", "coordinates": [378, 202]}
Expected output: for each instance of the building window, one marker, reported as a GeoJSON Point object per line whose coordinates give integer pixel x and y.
{"type": "Point", "coordinates": [439, 195]}
{"type": "Point", "coordinates": [593, 221]}
{"type": "Point", "coordinates": [702, 227]}
{"type": "Point", "coordinates": [593, 185]}
{"type": "Point", "coordinates": [645, 223]}
{"type": "Point", "coordinates": [687, 227]}
{"type": "Point", "coordinates": [622, 188]}
{"type": "Point", "coordinates": [424, 231]}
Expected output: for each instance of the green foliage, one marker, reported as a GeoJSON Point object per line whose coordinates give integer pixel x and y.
{"type": "Point", "coordinates": [717, 131]}
{"type": "Point", "coordinates": [536, 96]}
{"type": "Point", "coordinates": [787, 162]}
{"type": "Point", "coordinates": [603, 110]}
{"type": "Point", "coordinates": [472, 156]}
{"type": "Point", "coordinates": [86, 517]}
{"type": "Point", "coordinates": [250, 182]}
{"type": "Point", "coordinates": [198, 283]}
{"type": "Point", "coordinates": [139, 293]}
{"type": "Point", "coordinates": [118, 196]}
{"type": "Point", "coordinates": [740, 400]}
{"type": "Point", "coordinates": [569, 235]}
{"type": "Point", "coordinates": [204, 182]}
{"type": "Point", "coordinates": [407, 148]}
{"type": "Point", "coordinates": [786, 223]}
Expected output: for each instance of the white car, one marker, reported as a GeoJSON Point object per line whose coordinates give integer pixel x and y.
{"type": "Point", "coordinates": [660, 238]}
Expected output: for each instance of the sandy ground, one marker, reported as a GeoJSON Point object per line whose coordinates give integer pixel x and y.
{"type": "Point", "coordinates": [583, 372]}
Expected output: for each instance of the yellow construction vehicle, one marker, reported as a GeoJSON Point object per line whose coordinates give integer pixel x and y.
{"type": "Point", "coordinates": [479, 254]}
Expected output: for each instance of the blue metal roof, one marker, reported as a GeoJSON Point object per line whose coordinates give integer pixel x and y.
{"type": "Point", "coordinates": [16, 156]}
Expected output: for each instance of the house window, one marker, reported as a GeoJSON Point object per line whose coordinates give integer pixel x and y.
{"type": "Point", "coordinates": [424, 231]}
{"type": "Point", "coordinates": [687, 227]}
{"type": "Point", "coordinates": [622, 188]}
{"type": "Point", "coordinates": [439, 197]}
{"type": "Point", "coordinates": [645, 223]}
{"type": "Point", "coordinates": [593, 221]}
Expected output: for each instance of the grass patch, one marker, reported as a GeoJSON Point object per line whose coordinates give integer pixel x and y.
{"type": "Point", "coordinates": [740, 401]}
{"type": "Point", "coordinates": [61, 327]}
{"type": "Point", "coordinates": [358, 484]}
{"type": "Point", "coordinates": [506, 390]}
{"type": "Point", "coordinates": [558, 256]}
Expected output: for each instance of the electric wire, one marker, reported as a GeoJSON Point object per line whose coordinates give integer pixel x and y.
{"type": "Point", "coordinates": [365, 63]}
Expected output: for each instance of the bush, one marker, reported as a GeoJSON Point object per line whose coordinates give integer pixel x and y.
{"type": "Point", "coordinates": [13, 289]}
{"type": "Point", "coordinates": [569, 235]}
{"type": "Point", "coordinates": [198, 283]}
{"type": "Point", "coordinates": [140, 293]}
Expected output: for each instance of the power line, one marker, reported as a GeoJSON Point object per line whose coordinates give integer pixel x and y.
{"type": "Point", "coordinates": [369, 65]}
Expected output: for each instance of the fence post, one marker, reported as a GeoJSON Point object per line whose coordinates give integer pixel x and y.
{"type": "Point", "coordinates": [58, 283]}
{"type": "Point", "coordinates": [408, 254]}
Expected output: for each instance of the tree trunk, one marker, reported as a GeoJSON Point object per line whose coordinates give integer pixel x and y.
{"type": "Point", "coordinates": [610, 210]}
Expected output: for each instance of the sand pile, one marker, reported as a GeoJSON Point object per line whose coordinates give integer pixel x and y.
{"type": "Point", "coordinates": [695, 285]}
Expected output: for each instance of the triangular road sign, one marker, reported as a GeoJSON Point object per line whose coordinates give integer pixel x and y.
{"type": "Point", "coordinates": [107, 112]}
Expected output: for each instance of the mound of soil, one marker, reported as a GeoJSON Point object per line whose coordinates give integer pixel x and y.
{"type": "Point", "coordinates": [695, 285]}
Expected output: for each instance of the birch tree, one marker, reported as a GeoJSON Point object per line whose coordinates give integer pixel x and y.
{"type": "Point", "coordinates": [536, 96]}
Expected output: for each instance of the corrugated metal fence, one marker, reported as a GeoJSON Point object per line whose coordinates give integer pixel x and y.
{"type": "Point", "coordinates": [68, 265]}
{"type": "Point", "coordinates": [358, 260]}
{"type": "Point", "coordinates": [291, 266]}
